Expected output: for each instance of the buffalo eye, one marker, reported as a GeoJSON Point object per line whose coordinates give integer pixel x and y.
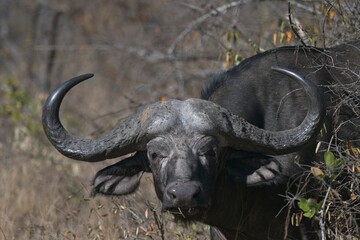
{"type": "Point", "coordinates": [155, 156]}
{"type": "Point", "coordinates": [209, 153]}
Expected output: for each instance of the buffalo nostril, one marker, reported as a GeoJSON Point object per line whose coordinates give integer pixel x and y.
{"type": "Point", "coordinates": [183, 194]}
{"type": "Point", "coordinates": [172, 193]}
{"type": "Point", "coordinates": [196, 193]}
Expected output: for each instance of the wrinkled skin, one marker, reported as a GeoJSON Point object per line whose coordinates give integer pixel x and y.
{"type": "Point", "coordinates": [198, 175]}
{"type": "Point", "coordinates": [184, 170]}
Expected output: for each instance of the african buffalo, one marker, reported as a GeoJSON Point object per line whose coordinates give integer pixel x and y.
{"type": "Point", "coordinates": [224, 159]}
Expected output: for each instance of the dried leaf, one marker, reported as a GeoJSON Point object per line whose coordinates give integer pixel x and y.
{"type": "Point", "coordinates": [297, 158]}
{"type": "Point", "coordinates": [282, 36]}
{"type": "Point", "coordinates": [147, 213]}
{"type": "Point", "coordinates": [317, 172]}
{"type": "Point", "coordinates": [353, 151]}
{"type": "Point", "coordinates": [162, 98]}
{"type": "Point", "coordinates": [275, 38]}
{"type": "Point", "coordinates": [296, 219]}
{"type": "Point", "coordinates": [353, 197]}
{"type": "Point", "coordinates": [152, 226]}
{"type": "Point", "coordinates": [331, 15]}
{"type": "Point", "coordinates": [288, 37]}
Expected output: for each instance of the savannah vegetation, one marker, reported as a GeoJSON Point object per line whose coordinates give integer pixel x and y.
{"type": "Point", "coordinates": [140, 52]}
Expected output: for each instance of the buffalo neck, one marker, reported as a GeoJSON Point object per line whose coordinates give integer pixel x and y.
{"type": "Point", "coordinates": [257, 211]}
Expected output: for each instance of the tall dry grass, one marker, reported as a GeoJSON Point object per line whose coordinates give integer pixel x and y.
{"type": "Point", "coordinates": [45, 196]}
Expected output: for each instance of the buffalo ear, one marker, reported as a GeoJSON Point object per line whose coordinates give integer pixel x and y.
{"type": "Point", "coordinates": [253, 169]}
{"type": "Point", "coordinates": [121, 178]}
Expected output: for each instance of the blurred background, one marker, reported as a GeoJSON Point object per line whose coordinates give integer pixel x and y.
{"type": "Point", "coordinates": [140, 52]}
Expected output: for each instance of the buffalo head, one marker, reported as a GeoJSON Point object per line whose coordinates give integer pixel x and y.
{"type": "Point", "coordinates": [185, 144]}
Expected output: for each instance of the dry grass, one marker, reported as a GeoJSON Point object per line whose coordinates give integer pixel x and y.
{"type": "Point", "coordinates": [45, 196]}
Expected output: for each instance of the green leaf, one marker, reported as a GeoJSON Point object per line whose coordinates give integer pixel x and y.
{"type": "Point", "coordinates": [309, 206]}
{"type": "Point", "coordinates": [229, 36]}
{"type": "Point", "coordinates": [303, 205]}
{"type": "Point", "coordinates": [282, 25]}
{"type": "Point", "coordinates": [310, 213]}
{"type": "Point", "coordinates": [330, 160]}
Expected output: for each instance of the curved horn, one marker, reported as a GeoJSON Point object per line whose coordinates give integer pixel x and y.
{"type": "Point", "coordinates": [123, 139]}
{"type": "Point", "coordinates": [238, 133]}
{"type": "Point", "coordinates": [133, 133]}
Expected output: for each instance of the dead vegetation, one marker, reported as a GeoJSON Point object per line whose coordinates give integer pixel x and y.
{"type": "Point", "coordinates": [141, 51]}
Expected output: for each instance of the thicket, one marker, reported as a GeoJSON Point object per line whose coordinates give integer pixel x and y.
{"type": "Point", "coordinates": [143, 51]}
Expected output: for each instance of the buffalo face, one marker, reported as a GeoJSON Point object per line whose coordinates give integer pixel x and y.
{"type": "Point", "coordinates": [184, 171]}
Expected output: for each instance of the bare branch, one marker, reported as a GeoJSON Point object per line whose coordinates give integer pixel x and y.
{"type": "Point", "coordinates": [191, 6]}
{"type": "Point", "coordinates": [52, 54]}
{"type": "Point", "coordinates": [324, 22]}
{"type": "Point", "coordinates": [152, 56]}
{"type": "Point", "coordinates": [322, 215]}
{"type": "Point", "coordinates": [304, 7]}
{"type": "Point", "coordinates": [292, 26]}
{"type": "Point", "coordinates": [218, 11]}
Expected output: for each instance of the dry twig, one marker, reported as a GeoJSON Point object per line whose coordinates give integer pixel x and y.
{"type": "Point", "coordinates": [218, 11]}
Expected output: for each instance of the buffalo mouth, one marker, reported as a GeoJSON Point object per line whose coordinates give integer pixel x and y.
{"type": "Point", "coordinates": [186, 212]}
